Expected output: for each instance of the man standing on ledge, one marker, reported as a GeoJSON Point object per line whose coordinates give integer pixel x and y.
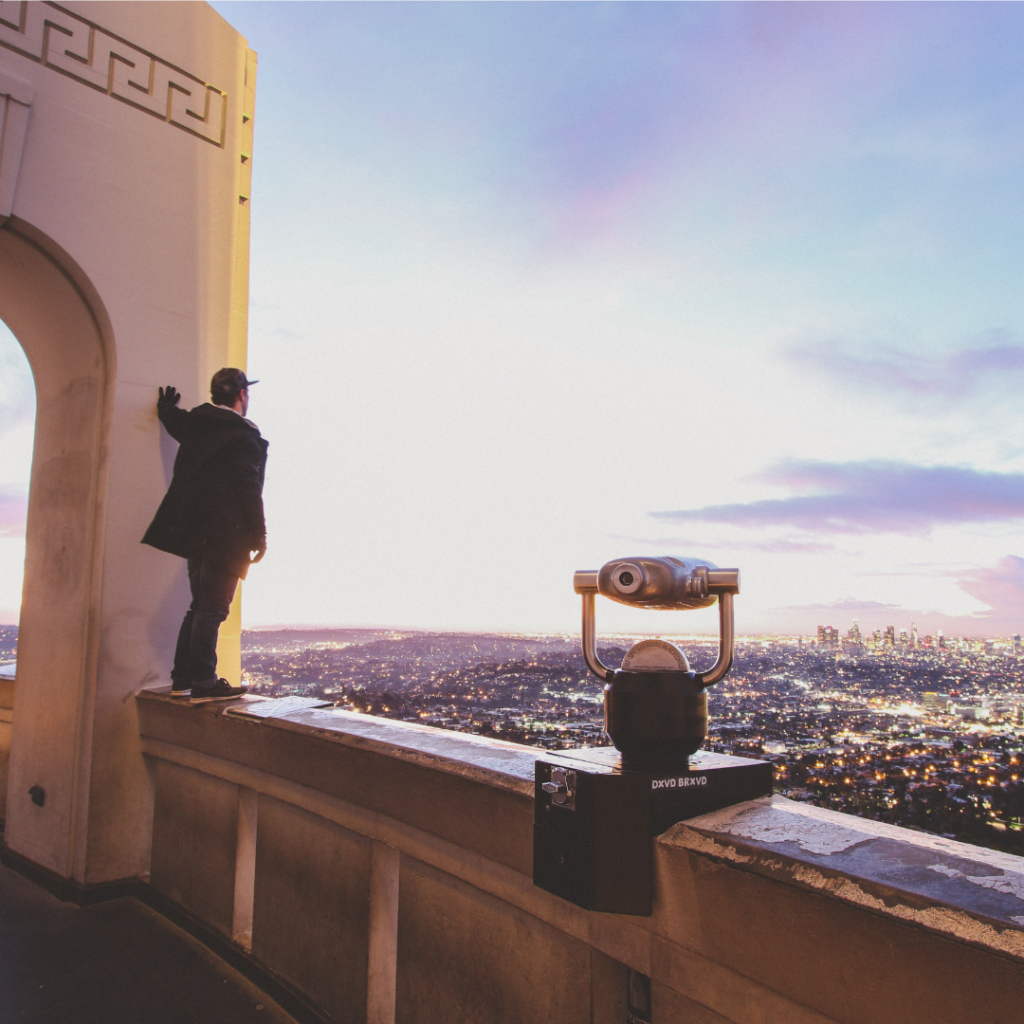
{"type": "Point", "coordinates": [212, 515]}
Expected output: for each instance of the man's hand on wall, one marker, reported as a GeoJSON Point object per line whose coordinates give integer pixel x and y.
{"type": "Point", "coordinates": [169, 398]}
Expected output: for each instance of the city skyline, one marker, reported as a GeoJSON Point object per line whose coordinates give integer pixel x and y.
{"type": "Point", "coordinates": [537, 286]}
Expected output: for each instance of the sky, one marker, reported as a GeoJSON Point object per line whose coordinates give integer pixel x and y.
{"type": "Point", "coordinates": [535, 286]}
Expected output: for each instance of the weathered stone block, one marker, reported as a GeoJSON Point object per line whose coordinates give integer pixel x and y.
{"type": "Point", "coordinates": [311, 907]}
{"type": "Point", "coordinates": [468, 957]}
{"type": "Point", "coordinates": [195, 834]}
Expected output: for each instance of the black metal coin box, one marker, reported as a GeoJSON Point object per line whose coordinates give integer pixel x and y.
{"type": "Point", "coordinates": [595, 817]}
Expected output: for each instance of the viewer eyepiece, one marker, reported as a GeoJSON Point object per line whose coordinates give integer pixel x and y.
{"type": "Point", "coordinates": [664, 582]}
{"type": "Point", "coordinates": [655, 705]}
{"type": "Point", "coordinates": [627, 579]}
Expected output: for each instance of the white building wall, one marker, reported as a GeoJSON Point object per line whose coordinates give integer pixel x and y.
{"type": "Point", "coordinates": [124, 166]}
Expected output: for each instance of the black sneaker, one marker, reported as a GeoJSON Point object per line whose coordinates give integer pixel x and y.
{"type": "Point", "coordinates": [220, 690]}
{"type": "Point", "coordinates": [180, 689]}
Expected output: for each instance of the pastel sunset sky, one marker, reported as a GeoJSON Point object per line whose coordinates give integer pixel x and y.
{"type": "Point", "coordinates": [539, 285]}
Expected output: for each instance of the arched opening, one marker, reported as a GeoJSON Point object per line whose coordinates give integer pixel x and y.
{"type": "Point", "coordinates": [17, 426]}
{"type": "Point", "coordinates": [58, 323]}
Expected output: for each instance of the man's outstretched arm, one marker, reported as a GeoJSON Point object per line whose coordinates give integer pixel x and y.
{"type": "Point", "coordinates": [170, 415]}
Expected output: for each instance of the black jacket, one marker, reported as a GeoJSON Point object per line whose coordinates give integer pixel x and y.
{"type": "Point", "coordinates": [214, 506]}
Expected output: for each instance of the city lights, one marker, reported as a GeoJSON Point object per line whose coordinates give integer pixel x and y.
{"type": "Point", "coordinates": [924, 736]}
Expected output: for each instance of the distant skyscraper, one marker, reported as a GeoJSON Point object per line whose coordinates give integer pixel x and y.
{"type": "Point", "coordinates": [940, 640]}
{"type": "Point", "coordinates": [904, 639]}
{"type": "Point", "coordinates": [1016, 643]}
{"type": "Point", "coordinates": [828, 636]}
{"type": "Point", "coordinates": [890, 636]}
{"type": "Point", "coordinates": [913, 635]}
{"type": "Point", "coordinates": [854, 634]}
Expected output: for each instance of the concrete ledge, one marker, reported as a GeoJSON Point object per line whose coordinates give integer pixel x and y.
{"type": "Point", "coordinates": [496, 763]}
{"type": "Point", "coordinates": [967, 892]}
{"type": "Point", "coordinates": [767, 912]}
{"type": "Point", "coordinates": [472, 791]}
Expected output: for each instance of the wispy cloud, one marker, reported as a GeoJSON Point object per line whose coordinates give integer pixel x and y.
{"type": "Point", "coordinates": [847, 604]}
{"type": "Point", "coordinates": [780, 546]}
{"type": "Point", "coordinates": [871, 497]}
{"type": "Point", "coordinates": [959, 375]}
{"type": "Point", "coordinates": [1000, 587]}
{"type": "Point", "coordinates": [13, 510]}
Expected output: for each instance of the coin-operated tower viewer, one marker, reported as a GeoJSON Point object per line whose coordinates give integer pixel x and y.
{"type": "Point", "coordinates": [596, 810]}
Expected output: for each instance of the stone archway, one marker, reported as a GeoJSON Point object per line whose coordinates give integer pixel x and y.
{"type": "Point", "coordinates": [73, 366]}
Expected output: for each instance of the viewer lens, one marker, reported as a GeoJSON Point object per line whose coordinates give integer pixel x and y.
{"type": "Point", "coordinates": [626, 578]}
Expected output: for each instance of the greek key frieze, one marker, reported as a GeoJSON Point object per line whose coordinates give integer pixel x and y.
{"type": "Point", "coordinates": [50, 35]}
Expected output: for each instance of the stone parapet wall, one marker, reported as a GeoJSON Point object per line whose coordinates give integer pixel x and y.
{"type": "Point", "coordinates": [383, 870]}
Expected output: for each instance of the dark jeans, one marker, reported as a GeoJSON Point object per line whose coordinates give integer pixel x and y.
{"type": "Point", "coordinates": [195, 657]}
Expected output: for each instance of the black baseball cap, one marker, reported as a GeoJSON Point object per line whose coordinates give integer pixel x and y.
{"type": "Point", "coordinates": [229, 382]}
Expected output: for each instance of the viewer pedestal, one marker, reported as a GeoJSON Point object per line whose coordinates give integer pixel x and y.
{"type": "Point", "coordinates": [595, 816]}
